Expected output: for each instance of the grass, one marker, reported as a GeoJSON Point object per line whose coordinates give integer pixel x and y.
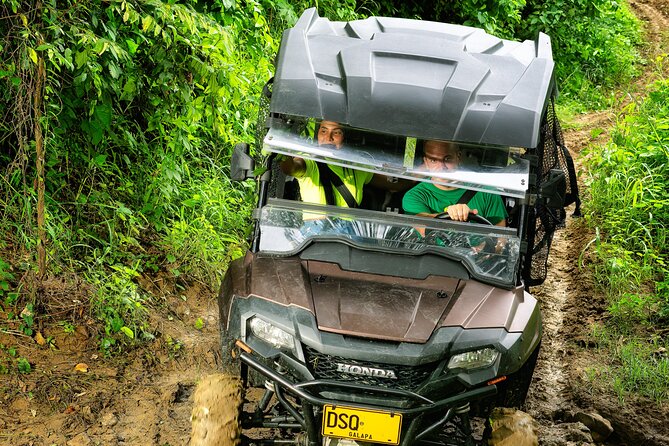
{"type": "Point", "coordinates": [637, 366]}
{"type": "Point", "coordinates": [628, 207]}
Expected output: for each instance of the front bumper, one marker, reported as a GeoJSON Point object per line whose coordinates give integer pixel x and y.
{"type": "Point", "coordinates": [306, 417]}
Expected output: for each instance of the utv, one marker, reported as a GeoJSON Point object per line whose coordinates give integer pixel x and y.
{"type": "Point", "coordinates": [378, 326]}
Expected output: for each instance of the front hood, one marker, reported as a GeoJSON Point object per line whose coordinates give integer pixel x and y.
{"type": "Point", "coordinates": [376, 306]}
{"type": "Point", "coordinates": [386, 307]}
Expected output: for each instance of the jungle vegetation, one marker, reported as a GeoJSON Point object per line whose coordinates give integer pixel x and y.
{"type": "Point", "coordinates": [117, 120]}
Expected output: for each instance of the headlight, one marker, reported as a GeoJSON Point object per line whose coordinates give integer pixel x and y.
{"type": "Point", "coordinates": [274, 336]}
{"type": "Point", "coordinates": [475, 359]}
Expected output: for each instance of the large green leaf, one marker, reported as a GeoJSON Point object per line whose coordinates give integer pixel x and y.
{"type": "Point", "coordinates": [103, 114]}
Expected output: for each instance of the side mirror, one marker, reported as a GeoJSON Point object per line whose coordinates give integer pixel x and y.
{"type": "Point", "coordinates": [554, 190]}
{"type": "Point", "coordinates": [241, 163]}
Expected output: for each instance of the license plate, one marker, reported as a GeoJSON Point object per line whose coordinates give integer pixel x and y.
{"type": "Point", "coordinates": [375, 426]}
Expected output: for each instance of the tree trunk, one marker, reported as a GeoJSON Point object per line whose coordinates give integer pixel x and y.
{"type": "Point", "coordinates": [38, 103]}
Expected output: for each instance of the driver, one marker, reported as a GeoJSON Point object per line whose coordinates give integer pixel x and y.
{"type": "Point", "coordinates": [429, 199]}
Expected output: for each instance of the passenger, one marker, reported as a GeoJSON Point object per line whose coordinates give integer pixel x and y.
{"type": "Point", "coordinates": [430, 199]}
{"type": "Point", "coordinates": [309, 173]}
{"type": "Point", "coordinates": [346, 184]}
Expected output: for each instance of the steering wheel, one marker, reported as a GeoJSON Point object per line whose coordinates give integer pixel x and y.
{"type": "Point", "coordinates": [476, 218]}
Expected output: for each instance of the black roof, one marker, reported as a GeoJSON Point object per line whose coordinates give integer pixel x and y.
{"type": "Point", "coordinates": [415, 78]}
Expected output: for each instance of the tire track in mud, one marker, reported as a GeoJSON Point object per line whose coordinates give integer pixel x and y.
{"type": "Point", "coordinates": [655, 15]}
{"type": "Point", "coordinates": [549, 395]}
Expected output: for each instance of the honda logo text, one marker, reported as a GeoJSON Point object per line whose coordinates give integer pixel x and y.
{"type": "Point", "coordinates": [365, 371]}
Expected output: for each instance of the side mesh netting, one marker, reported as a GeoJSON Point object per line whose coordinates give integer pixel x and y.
{"type": "Point", "coordinates": [279, 187]}
{"type": "Point", "coordinates": [543, 221]}
{"type": "Point", "coordinates": [262, 125]}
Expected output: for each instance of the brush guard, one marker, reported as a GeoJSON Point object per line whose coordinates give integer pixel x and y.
{"type": "Point", "coordinates": [304, 415]}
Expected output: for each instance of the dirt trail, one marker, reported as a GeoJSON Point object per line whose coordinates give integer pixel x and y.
{"type": "Point", "coordinates": [146, 398]}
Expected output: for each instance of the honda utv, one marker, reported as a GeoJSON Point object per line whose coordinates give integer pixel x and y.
{"type": "Point", "coordinates": [375, 326]}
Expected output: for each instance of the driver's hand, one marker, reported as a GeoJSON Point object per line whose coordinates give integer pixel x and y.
{"type": "Point", "coordinates": [501, 244]}
{"type": "Point", "coordinates": [459, 212]}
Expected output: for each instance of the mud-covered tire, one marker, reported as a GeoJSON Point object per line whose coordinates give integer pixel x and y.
{"type": "Point", "coordinates": [229, 364]}
{"type": "Point", "coordinates": [232, 365]}
{"type": "Point", "coordinates": [512, 392]}
{"type": "Point", "coordinates": [216, 407]}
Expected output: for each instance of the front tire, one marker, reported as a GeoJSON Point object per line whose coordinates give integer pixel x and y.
{"type": "Point", "coordinates": [216, 408]}
{"type": "Point", "coordinates": [512, 392]}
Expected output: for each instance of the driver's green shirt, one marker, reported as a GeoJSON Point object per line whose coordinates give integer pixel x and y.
{"type": "Point", "coordinates": [428, 198]}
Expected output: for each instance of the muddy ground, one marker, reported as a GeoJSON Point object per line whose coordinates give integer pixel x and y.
{"type": "Point", "coordinates": [74, 396]}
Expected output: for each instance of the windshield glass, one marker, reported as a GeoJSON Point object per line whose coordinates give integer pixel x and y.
{"type": "Point", "coordinates": [490, 253]}
{"type": "Point", "coordinates": [500, 170]}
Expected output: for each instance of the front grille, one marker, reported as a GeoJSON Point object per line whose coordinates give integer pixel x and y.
{"type": "Point", "coordinates": [407, 377]}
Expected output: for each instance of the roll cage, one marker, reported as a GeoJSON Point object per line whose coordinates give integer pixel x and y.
{"type": "Point", "coordinates": [395, 82]}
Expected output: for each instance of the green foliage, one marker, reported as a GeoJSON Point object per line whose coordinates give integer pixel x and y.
{"type": "Point", "coordinates": [502, 18]}
{"type": "Point", "coordinates": [68, 327]}
{"type": "Point", "coordinates": [210, 227]}
{"type": "Point", "coordinates": [199, 324]}
{"type": "Point", "coordinates": [119, 305]}
{"type": "Point", "coordinates": [143, 103]}
{"type": "Point", "coordinates": [157, 85]}
{"type": "Point", "coordinates": [629, 203]}
{"type": "Point", "coordinates": [174, 346]}
{"type": "Point", "coordinates": [593, 42]}
{"type": "Point", "coordinates": [5, 277]}
{"type": "Point", "coordinates": [638, 366]}
{"type": "Point", "coordinates": [27, 320]}
{"type": "Point", "coordinates": [11, 362]}
{"type": "Point", "coordinates": [23, 365]}
{"type": "Point", "coordinates": [287, 12]}
{"type": "Point", "coordinates": [19, 316]}
{"type": "Point", "coordinates": [628, 206]}
{"type": "Point", "coordinates": [498, 17]}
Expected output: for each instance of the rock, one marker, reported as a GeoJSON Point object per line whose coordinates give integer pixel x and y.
{"type": "Point", "coordinates": [577, 432]}
{"type": "Point", "coordinates": [80, 440]}
{"type": "Point", "coordinates": [599, 426]}
{"type": "Point", "coordinates": [108, 420]}
{"type": "Point", "coordinates": [512, 427]}
{"type": "Point", "coordinates": [87, 413]}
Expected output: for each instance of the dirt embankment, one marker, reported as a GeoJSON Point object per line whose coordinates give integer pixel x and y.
{"type": "Point", "coordinates": [144, 398]}
{"type": "Point", "coordinates": [75, 397]}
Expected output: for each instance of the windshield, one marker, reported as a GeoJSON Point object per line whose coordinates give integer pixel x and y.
{"type": "Point", "coordinates": [490, 253]}
{"type": "Point", "coordinates": [500, 170]}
